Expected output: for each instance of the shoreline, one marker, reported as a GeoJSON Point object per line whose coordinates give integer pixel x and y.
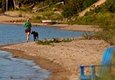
{"type": "Point", "coordinates": [63, 59]}
{"type": "Point", "coordinates": [56, 70]}
{"type": "Point", "coordinates": [20, 20]}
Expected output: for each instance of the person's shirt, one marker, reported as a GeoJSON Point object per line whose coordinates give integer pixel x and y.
{"type": "Point", "coordinates": [27, 25]}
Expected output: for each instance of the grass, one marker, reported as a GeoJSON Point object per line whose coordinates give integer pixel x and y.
{"type": "Point", "coordinates": [100, 16]}
{"type": "Point", "coordinates": [105, 20]}
{"type": "Point", "coordinates": [54, 40]}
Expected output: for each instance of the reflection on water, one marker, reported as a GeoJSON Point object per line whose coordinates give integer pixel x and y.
{"type": "Point", "coordinates": [19, 69]}
{"type": "Point", "coordinates": [15, 33]}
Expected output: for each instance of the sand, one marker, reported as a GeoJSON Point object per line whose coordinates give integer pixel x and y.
{"type": "Point", "coordinates": [66, 57]}
{"type": "Point", "coordinates": [63, 59]}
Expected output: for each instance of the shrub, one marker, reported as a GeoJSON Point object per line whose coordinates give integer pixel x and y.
{"type": "Point", "coordinates": [88, 3]}
{"type": "Point", "coordinates": [87, 35]}
{"type": "Point", "coordinates": [72, 7]}
{"type": "Point", "coordinates": [50, 41]}
{"type": "Point", "coordinates": [110, 5]}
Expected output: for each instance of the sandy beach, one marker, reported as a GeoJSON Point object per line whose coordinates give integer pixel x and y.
{"type": "Point", "coordinates": [64, 58]}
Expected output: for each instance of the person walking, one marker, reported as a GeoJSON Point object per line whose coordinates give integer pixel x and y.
{"type": "Point", "coordinates": [27, 26]}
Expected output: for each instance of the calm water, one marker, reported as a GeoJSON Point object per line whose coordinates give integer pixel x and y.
{"type": "Point", "coordinates": [15, 33]}
{"type": "Point", "coordinates": [19, 69]}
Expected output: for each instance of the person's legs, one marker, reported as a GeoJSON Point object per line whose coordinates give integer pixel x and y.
{"type": "Point", "coordinates": [27, 36]}
{"type": "Point", "coordinates": [27, 31]}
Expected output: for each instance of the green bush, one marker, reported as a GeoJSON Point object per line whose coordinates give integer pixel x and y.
{"type": "Point", "coordinates": [72, 7]}
{"type": "Point", "coordinates": [88, 3]}
{"type": "Point", "coordinates": [50, 41]}
{"type": "Point", "coordinates": [110, 5]}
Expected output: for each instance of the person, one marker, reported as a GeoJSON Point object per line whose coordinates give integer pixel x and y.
{"type": "Point", "coordinates": [27, 26]}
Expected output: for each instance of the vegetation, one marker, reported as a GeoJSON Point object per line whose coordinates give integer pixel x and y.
{"type": "Point", "coordinates": [67, 8]}
{"type": "Point", "coordinates": [72, 7]}
{"type": "Point", "coordinates": [65, 11]}
{"type": "Point", "coordinates": [104, 16]}
{"type": "Point", "coordinates": [88, 3]}
{"type": "Point", "coordinates": [50, 41]}
{"type": "Point", "coordinates": [87, 35]}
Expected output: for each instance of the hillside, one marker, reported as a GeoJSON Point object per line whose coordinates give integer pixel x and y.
{"type": "Point", "coordinates": [38, 10]}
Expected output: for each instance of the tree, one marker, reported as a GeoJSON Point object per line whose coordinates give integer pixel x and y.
{"type": "Point", "coordinates": [7, 4]}
{"type": "Point", "coordinates": [3, 5]}
{"type": "Point", "coordinates": [0, 3]}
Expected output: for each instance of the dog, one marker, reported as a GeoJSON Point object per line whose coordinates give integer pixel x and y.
{"type": "Point", "coordinates": [35, 35]}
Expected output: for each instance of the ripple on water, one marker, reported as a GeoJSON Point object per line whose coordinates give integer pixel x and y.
{"type": "Point", "coordinates": [20, 69]}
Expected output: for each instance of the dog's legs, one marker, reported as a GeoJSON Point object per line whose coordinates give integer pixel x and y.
{"type": "Point", "coordinates": [34, 37]}
{"type": "Point", "coordinates": [37, 36]}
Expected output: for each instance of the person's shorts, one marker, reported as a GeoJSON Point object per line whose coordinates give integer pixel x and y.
{"type": "Point", "coordinates": [27, 30]}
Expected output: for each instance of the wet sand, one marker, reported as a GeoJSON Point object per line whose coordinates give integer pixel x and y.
{"type": "Point", "coordinates": [64, 58]}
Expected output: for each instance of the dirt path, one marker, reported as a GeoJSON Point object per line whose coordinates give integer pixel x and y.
{"type": "Point", "coordinates": [92, 7]}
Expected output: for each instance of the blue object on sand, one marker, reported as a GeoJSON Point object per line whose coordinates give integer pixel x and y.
{"type": "Point", "coordinates": [105, 66]}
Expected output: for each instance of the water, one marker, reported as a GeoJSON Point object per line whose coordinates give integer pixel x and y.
{"type": "Point", "coordinates": [15, 33]}
{"type": "Point", "coordinates": [19, 69]}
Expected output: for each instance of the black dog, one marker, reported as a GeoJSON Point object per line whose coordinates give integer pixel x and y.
{"type": "Point", "coordinates": [35, 35]}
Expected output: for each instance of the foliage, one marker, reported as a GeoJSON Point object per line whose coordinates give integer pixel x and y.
{"type": "Point", "coordinates": [50, 41]}
{"type": "Point", "coordinates": [106, 21]}
{"type": "Point", "coordinates": [86, 20]}
{"type": "Point", "coordinates": [0, 3]}
{"type": "Point", "coordinates": [110, 5]}
{"type": "Point", "coordinates": [87, 35]}
{"type": "Point", "coordinates": [104, 16]}
{"type": "Point", "coordinates": [29, 1]}
{"type": "Point", "coordinates": [72, 7]}
{"type": "Point", "coordinates": [88, 3]}
{"type": "Point", "coordinates": [47, 14]}
{"type": "Point", "coordinates": [53, 1]}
